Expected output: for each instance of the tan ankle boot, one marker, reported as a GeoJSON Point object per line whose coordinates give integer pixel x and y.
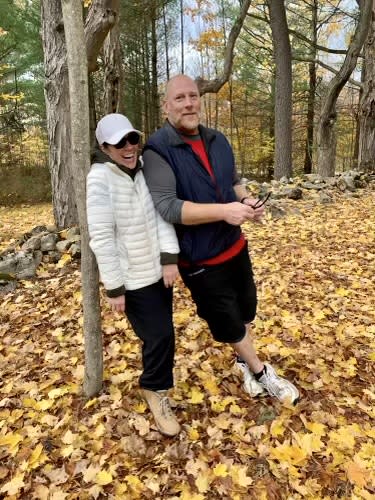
{"type": "Point", "coordinates": [165, 420]}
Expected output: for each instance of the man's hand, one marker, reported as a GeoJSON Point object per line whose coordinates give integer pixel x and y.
{"type": "Point", "coordinates": [258, 212]}
{"type": "Point", "coordinates": [170, 274]}
{"type": "Point", "coordinates": [237, 213]}
{"type": "Point", "coordinates": [117, 303]}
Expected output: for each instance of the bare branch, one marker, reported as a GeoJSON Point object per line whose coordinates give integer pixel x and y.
{"type": "Point", "coordinates": [326, 66]}
{"type": "Point", "coordinates": [215, 85]}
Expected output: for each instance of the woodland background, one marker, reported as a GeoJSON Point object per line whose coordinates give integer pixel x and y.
{"type": "Point", "coordinates": [291, 85]}
{"type": "Point", "coordinates": [149, 41]}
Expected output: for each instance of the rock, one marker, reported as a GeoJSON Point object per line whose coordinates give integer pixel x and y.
{"type": "Point", "coordinates": [284, 180]}
{"type": "Point", "coordinates": [54, 256]}
{"type": "Point", "coordinates": [310, 185]}
{"type": "Point", "coordinates": [22, 265]}
{"type": "Point", "coordinates": [325, 198]}
{"type": "Point", "coordinates": [313, 178]}
{"type": "Point", "coordinates": [39, 229]}
{"type": "Point", "coordinates": [276, 211]}
{"type": "Point", "coordinates": [63, 245]}
{"type": "Point", "coordinates": [75, 249]}
{"type": "Point", "coordinates": [346, 183]}
{"type": "Point", "coordinates": [294, 193]}
{"type": "Point", "coordinates": [32, 244]}
{"type": "Point", "coordinates": [48, 242]}
{"type": "Point", "coordinates": [71, 233]}
{"type": "Point", "coordinates": [7, 286]}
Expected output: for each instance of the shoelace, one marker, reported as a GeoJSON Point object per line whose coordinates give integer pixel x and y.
{"type": "Point", "coordinates": [165, 407]}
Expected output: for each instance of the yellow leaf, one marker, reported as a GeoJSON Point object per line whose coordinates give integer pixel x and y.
{"type": "Point", "coordinates": [37, 456]}
{"type": "Point", "coordinates": [356, 474]}
{"type": "Point", "coordinates": [68, 437]}
{"type": "Point", "coordinates": [316, 428]}
{"type": "Point", "coordinates": [43, 405]}
{"type": "Point", "coordinates": [277, 428]}
{"type": "Point", "coordinates": [65, 259]}
{"type": "Point", "coordinates": [220, 470]}
{"type": "Point", "coordinates": [90, 473]}
{"type": "Point", "coordinates": [103, 477]}
{"type": "Point", "coordinates": [202, 482]}
{"type": "Point", "coordinates": [238, 475]}
{"type": "Point", "coordinates": [196, 396]}
{"type": "Point", "coordinates": [140, 407]}
{"type": "Point", "coordinates": [90, 402]}
{"type": "Point", "coordinates": [56, 393]}
{"type": "Point", "coordinates": [11, 440]}
{"type": "Point", "coordinates": [293, 455]}
{"type": "Point", "coordinates": [13, 486]}
{"type": "Point", "coordinates": [193, 434]}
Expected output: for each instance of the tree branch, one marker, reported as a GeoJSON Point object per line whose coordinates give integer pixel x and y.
{"type": "Point", "coordinates": [215, 85]}
{"type": "Point", "coordinates": [101, 17]}
{"type": "Point", "coordinates": [329, 68]}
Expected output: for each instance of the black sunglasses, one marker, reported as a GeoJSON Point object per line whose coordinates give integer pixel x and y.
{"type": "Point", "coordinates": [261, 201]}
{"type": "Point", "coordinates": [132, 138]}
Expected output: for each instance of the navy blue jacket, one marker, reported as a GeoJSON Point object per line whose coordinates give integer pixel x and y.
{"type": "Point", "coordinates": [194, 183]}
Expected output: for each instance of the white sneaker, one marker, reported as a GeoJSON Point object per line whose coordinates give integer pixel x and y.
{"type": "Point", "coordinates": [250, 385]}
{"type": "Point", "coordinates": [279, 387]}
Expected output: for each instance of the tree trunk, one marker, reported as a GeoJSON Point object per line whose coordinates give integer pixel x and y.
{"type": "Point", "coordinates": [80, 152]}
{"type": "Point", "coordinates": [366, 153]}
{"type": "Point", "coordinates": [283, 89]}
{"type": "Point", "coordinates": [58, 113]}
{"type": "Point", "coordinates": [307, 167]}
{"type": "Point", "coordinates": [326, 134]}
{"type": "Point", "coordinates": [101, 17]}
{"type": "Point", "coordinates": [155, 103]}
{"type": "Point", "coordinates": [113, 72]}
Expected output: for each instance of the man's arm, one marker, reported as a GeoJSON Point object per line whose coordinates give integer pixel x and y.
{"type": "Point", "coordinates": [161, 182]}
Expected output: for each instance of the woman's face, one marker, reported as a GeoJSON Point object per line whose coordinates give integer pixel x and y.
{"type": "Point", "coordinates": [124, 153]}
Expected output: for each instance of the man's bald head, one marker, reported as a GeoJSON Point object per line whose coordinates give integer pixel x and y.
{"type": "Point", "coordinates": [182, 104]}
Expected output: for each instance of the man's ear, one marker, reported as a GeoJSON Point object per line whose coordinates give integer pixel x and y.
{"type": "Point", "coordinates": [165, 106]}
{"type": "Point", "coordinates": [102, 148]}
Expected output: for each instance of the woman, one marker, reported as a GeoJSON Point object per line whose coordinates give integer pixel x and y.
{"type": "Point", "coordinates": [136, 252]}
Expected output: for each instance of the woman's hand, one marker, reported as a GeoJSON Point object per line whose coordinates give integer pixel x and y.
{"type": "Point", "coordinates": [117, 303]}
{"type": "Point", "coordinates": [170, 274]}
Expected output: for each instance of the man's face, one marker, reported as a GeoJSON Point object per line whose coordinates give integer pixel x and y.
{"type": "Point", "coordinates": [182, 104]}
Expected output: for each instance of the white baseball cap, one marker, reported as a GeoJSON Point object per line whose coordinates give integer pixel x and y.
{"type": "Point", "coordinates": [112, 128]}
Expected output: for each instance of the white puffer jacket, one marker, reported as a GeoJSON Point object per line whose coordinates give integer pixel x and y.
{"type": "Point", "coordinates": [127, 235]}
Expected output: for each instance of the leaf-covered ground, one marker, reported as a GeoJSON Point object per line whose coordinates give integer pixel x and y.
{"type": "Point", "coordinates": [316, 324]}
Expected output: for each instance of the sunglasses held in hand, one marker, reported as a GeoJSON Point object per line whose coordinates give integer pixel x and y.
{"type": "Point", "coordinates": [261, 200]}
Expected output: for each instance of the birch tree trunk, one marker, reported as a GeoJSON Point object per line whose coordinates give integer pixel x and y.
{"type": "Point", "coordinates": [366, 153]}
{"type": "Point", "coordinates": [283, 89]}
{"type": "Point", "coordinates": [58, 113]}
{"type": "Point", "coordinates": [80, 156]}
{"type": "Point", "coordinates": [326, 133]}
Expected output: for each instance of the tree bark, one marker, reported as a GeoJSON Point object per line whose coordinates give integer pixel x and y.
{"type": "Point", "coordinates": [307, 167]}
{"type": "Point", "coordinates": [283, 89]}
{"type": "Point", "coordinates": [102, 15]}
{"type": "Point", "coordinates": [58, 113]}
{"type": "Point", "coordinates": [113, 72]}
{"type": "Point", "coordinates": [366, 150]}
{"type": "Point", "coordinates": [326, 134]}
{"type": "Point", "coordinates": [80, 152]}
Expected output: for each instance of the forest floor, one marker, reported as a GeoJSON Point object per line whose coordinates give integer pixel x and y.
{"type": "Point", "coordinates": [316, 323]}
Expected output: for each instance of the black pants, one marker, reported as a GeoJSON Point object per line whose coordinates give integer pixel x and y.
{"type": "Point", "coordinates": [149, 311]}
{"type": "Point", "coordinates": [225, 296]}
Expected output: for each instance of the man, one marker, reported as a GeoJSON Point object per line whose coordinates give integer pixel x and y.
{"type": "Point", "coordinates": [191, 174]}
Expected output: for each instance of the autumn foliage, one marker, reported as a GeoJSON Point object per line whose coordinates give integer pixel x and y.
{"type": "Point", "coordinates": [316, 324]}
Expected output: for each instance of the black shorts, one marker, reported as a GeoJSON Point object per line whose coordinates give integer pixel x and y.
{"type": "Point", "coordinates": [225, 296]}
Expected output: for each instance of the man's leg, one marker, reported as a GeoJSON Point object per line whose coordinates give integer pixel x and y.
{"type": "Point", "coordinates": [245, 349]}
